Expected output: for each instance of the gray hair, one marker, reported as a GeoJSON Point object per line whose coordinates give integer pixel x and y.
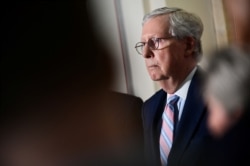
{"type": "Point", "coordinates": [182, 24]}
{"type": "Point", "coordinates": [228, 78]}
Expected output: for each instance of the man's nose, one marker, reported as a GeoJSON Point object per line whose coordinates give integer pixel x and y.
{"type": "Point", "coordinates": [147, 52]}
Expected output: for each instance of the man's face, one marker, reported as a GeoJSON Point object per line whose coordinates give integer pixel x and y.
{"type": "Point", "coordinates": [169, 60]}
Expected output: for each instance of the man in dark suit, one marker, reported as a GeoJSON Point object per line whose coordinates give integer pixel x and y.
{"type": "Point", "coordinates": [171, 47]}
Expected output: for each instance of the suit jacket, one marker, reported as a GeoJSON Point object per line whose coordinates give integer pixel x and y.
{"type": "Point", "coordinates": [191, 132]}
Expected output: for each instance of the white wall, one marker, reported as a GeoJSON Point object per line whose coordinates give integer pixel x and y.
{"type": "Point", "coordinates": [106, 24]}
{"type": "Point", "coordinates": [141, 84]}
{"type": "Point", "coordinates": [119, 25]}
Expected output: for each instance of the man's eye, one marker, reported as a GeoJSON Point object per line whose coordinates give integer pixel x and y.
{"type": "Point", "coordinates": [157, 39]}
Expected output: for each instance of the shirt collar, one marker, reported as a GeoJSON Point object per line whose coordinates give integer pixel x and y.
{"type": "Point", "coordinates": [182, 91]}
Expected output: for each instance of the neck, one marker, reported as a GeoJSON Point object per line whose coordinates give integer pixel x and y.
{"type": "Point", "coordinates": [172, 84]}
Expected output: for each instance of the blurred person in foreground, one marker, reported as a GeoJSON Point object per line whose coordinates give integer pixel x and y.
{"type": "Point", "coordinates": [171, 47]}
{"type": "Point", "coordinates": [227, 93]}
{"type": "Point", "coordinates": [56, 104]}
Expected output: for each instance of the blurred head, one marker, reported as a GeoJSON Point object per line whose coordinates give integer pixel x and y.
{"type": "Point", "coordinates": [51, 51]}
{"type": "Point", "coordinates": [53, 72]}
{"type": "Point", "coordinates": [226, 88]}
{"type": "Point", "coordinates": [170, 43]}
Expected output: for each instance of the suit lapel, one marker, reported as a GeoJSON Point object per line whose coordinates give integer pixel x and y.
{"type": "Point", "coordinates": [158, 114]}
{"type": "Point", "coordinates": [158, 120]}
{"type": "Point", "coordinates": [192, 113]}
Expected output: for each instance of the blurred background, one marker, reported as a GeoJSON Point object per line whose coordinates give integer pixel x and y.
{"type": "Point", "coordinates": [118, 25]}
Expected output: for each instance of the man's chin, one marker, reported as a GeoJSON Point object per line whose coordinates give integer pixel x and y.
{"type": "Point", "coordinates": [155, 79]}
{"type": "Point", "coordinates": [158, 78]}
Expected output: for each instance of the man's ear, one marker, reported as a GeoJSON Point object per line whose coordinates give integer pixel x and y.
{"type": "Point", "coordinates": [190, 46]}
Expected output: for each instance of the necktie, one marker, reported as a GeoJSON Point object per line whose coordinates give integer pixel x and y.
{"type": "Point", "coordinates": [166, 137]}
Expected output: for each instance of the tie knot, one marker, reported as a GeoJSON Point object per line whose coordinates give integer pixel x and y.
{"type": "Point", "coordinates": [172, 99]}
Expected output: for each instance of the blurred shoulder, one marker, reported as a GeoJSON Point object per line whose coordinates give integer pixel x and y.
{"type": "Point", "coordinates": [125, 97]}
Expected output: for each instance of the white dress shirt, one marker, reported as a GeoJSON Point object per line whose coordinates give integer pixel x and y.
{"type": "Point", "coordinates": [182, 92]}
